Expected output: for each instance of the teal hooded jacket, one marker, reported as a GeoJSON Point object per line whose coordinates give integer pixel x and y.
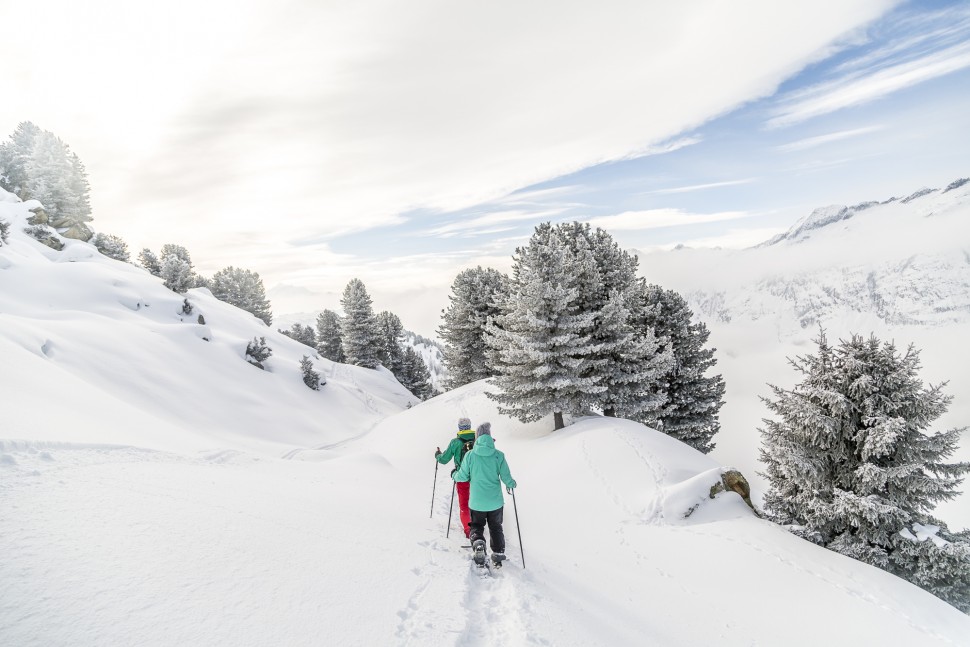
{"type": "Point", "coordinates": [484, 466]}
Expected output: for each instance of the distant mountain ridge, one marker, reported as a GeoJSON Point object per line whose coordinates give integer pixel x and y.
{"type": "Point", "coordinates": [902, 261]}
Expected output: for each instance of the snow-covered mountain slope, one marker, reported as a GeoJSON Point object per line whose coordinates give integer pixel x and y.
{"type": "Point", "coordinates": [155, 489]}
{"type": "Point", "coordinates": [900, 261]}
{"type": "Point", "coordinates": [897, 268]}
{"type": "Point", "coordinates": [115, 546]}
{"type": "Point", "coordinates": [95, 350]}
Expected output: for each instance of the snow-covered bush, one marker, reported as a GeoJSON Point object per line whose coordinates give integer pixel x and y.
{"type": "Point", "coordinates": [852, 465]}
{"type": "Point", "coordinates": [187, 307]}
{"type": "Point", "coordinates": [4, 232]}
{"type": "Point", "coordinates": [310, 377]}
{"type": "Point", "coordinates": [258, 352]}
{"type": "Point", "coordinates": [111, 246]}
{"type": "Point", "coordinates": [44, 234]}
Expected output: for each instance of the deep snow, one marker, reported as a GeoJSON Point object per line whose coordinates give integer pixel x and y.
{"type": "Point", "coordinates": [155, 489]}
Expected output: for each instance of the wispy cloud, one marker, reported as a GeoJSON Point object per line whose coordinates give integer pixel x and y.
{"type": "Point", "coordinates": [659, 218]}
{"type": "Point", "coordinates": [818, 140]}
{"type": "Point", "coordinates": [701, 187]}
{"type": "Point", "coordinates": [876, 74]}
{"type": "Point", "coordinates": [486, 224]}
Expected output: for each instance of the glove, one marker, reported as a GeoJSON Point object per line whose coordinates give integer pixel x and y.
{"type": "Point", "coordinates": [437, 452]}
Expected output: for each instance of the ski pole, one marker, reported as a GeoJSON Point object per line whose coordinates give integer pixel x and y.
{"type": "Point", "coordinates": [451, 507]}
{"type": "Point", "coordinates": [434, 486]}
{"type": "Point", "coordinates": [517, 528]}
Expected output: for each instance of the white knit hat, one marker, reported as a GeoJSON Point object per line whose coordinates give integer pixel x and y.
{"type": "Point", "coordinates": [484, 429]}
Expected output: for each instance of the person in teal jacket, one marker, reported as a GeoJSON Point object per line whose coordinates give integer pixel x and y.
{"type": "Point", "coordinates": [485, 468]}
{"type": "Point", "coordinates": [456, 449]}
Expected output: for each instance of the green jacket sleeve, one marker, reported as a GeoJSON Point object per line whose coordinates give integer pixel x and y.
{"type": "Point", "coordinates": [463, 475]}
{"type": "Point", "coordinates": [505, 474]}
{"type": "Point", "coordinates": [449, 452]}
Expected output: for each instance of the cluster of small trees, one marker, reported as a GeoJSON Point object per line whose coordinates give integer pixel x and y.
{"type": "Point", "coordinates": [575, 330]}
{"type": "Point", "coordinates": [236, 286]}
{"type": "Point", "coordinates": [36, 164]}
{"type": "Point", "coordinates": [851, 463]}
{"type": "Point", "coordinates": [364, 338]}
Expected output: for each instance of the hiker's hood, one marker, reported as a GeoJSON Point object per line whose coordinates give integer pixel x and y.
{"type": "Point", "coordinates": [466, 434]}
{"type": "Point", "coordinates": [484, 446]}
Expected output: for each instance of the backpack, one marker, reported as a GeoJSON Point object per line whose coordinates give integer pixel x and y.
{"type": "Point", "coordinates": [464, 448]}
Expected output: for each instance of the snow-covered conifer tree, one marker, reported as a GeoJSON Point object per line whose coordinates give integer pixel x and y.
{"type": "Point", "coordinates": [243, 289]}
{"type": "Point", "coordinates": [15, 155]}
{"type": "Point", "coordinates": [693, 398]}
{"type": "Point", "coordinates": [414, 374]}
{"type": "Point", "coordinates": [628, 360]}
{"type": "Point", "coordinates": [542, 347]}
{"type": "Point", "coordinates": [112, 247]}
{"type": "Point", "coordinates": [176, 273]}
{"type": "Point", "coordinates": [258, 352]}
{"type": "Point", "coordinates": [310, 377]}
{"type": "Point", "coordinates": [851, 463]}
{"type": "Point", "coordinates": [329, 343]}
{"type": "Point", "coordinates": [358, 328]}
{"type": "Point", "coordinates": [150, 262]}
{"type": "Point", "coordinates": [303, 334]}
{"type": "Point", "coordinates": [476, 295]}
{"type": "Point", "coordinates": [390, 333]}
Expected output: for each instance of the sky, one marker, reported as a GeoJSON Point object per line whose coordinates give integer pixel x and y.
{"type": "Point", "coordinates": [398, 143]}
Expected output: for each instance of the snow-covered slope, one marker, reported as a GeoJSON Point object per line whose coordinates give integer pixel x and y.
{"type": "Point", "coordinates": [336, 546]}
{"type": "Point", "coordinates": [155, 489]}
{"type": "Point", "coordinates": [898, 268]}
{"type": "Point", "coordinates": [95, 350]}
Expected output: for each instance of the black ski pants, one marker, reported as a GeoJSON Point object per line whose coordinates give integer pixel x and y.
{"type": "Point", "coordinates": [495, 533]}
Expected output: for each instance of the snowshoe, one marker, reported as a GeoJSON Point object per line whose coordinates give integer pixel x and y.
{"type": "Point", "coordinates": [478, 546]}
{"type": "Point", "coordinates": [497, 559]}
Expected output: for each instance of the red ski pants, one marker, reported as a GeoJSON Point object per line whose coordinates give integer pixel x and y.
{"type": "Point", "coordinates": [466, 516]}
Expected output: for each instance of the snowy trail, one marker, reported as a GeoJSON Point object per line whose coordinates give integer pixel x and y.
{"type": "Point", "coordinates": [111, 545]}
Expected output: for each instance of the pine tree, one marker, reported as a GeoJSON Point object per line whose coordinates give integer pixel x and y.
{"type": "Point", "coordinates": [358, 328]}
{"type": "Point", "coordinates": [243, 289]}
{"type": "Point", "coordinates": [329, 342]}
{"type": "Point", "coordinates": [390, 333]}
{"type": "Point", "coordinates": [850, 462]}
{"type": "Point", "coordinates": [310, 377]}
{"type": "Point", "coordinates": [693, 399]}
{"type": "Point", "coordinates": [302, 334]}
{"type": "Point", "coordinates": [477, 294]}
{"type": "Point", "coordinates": [176, 274]}
{"type": "Point", "coordinates": [14, 158]}
{"type": "Point", "coordinates": [627, 360]}
{"type": "Point", "coordinates": [542, 347]}
{"type": "Point", "coordinates": [414, 374]}
{"type": "Point", "coordinates": [112, 247]}
{"type": "Point", "coordinates": [150, 262]}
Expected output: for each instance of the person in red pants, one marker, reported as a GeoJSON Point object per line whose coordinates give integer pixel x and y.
{"type": "Point", "coordinates": [457, 449]}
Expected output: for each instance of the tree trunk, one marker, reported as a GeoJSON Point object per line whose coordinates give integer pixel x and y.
{"type": "Point", "coordinates": [557, 416]}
